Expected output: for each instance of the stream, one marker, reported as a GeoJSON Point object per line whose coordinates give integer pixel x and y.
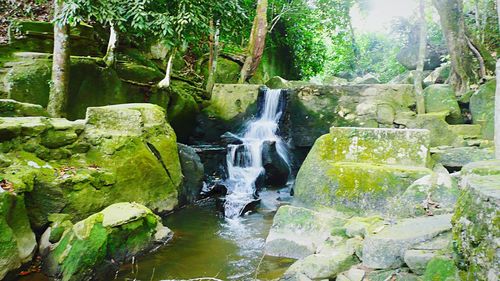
{"type": "Point", "coordinates": [206, 244]}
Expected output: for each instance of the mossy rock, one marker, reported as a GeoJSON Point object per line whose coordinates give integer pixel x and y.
{"type": "Point", "coordinates": [482, 107]}
{"type": "Point", "coordinates": [441, 269]}
{"type": "Point", "coordinates": [17, 240]}
{"type": "Point", "coordinates": [118, 233]}
{"type": "Point", "coordinates": [439, 98]}
{"type": "Point", "coordinates": [334, 176]}
{"type": "Point", "coordinates": [12, 108]}
{"type": "Point", "coordinates": [35, 36]}
{"type": "Point", "coordinates": [182, 108]}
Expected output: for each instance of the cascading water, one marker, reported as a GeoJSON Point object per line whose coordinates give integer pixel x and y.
{"type": "Point", "coordinates": [244, 161]}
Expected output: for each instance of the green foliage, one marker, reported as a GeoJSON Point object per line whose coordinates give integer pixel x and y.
{"type": "Point", "coordinates": [378, 56]}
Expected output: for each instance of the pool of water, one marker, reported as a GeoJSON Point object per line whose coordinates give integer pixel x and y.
{"type": "Point", "coordinates": [206, 244]}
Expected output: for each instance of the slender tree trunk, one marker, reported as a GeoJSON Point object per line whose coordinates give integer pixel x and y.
{"type": "Point", "coordinates": [256, 43]}
{"type": "Point", "coordinates": [214, 53]}
{"type": "Point", "coordinates": [452, 23]}
{"type": "Point", "coordinates": [165, 82]}
{"type": "Point", "coordinates": [59, 87]}
{"type": "Point", "coordinates": [497, 112]}
{"type": "Point", "coordinates": [110, 57]}
{"type": "Point", "coordinates": [417, 81]}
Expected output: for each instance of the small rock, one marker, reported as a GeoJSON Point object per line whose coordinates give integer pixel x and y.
{"type": "Point", "coordinates": [417, 260]}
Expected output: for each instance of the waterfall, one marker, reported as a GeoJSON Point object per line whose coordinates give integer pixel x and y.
{"type": "Point", "coordinates": [244, 160]}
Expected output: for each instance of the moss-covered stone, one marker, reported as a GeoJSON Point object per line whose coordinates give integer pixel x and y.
{"type": "Point", "coordinates": [335, 172]}
{"type": "Point", "coordinates": [17, 240]}
{"type": "Point", "coordinates": [441, 134]}
{"type": "Point", "coordinates": [183, 108]}
{"type": "Point", "coordinates": [476, 222]}
{"type": "Point", "coordinates": [12, 108]}
{"type": "Point", "coordinates": [458, 157]}
{"type": "Point", "coordinates": [441, 269]}
{"type": "Point", "coordinates": [122, 153]}
{"type": "Point", "coordinates": [34, 36]}
{"type": "Point", "coordinates": [117, 233]}
{"type": "Point", "coordinates": [482, 107]}
{"type": "Point", "coordinates": [439, 98]}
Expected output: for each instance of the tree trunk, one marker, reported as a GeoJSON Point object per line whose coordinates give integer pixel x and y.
{"type": "Point", "coordinates": [417, 81]}
{"type": "Point", "coordinates": [110, 57]}
{"type": "Point", "coordinates": [214, 53]}
{"type": "Point", "coordinates": [452, 23]}
{"type": "Point", "coordinates": [59, 86]}
{"type": "Point", "coordinates": [256, 43]}
{"type": "Point", "coordinates": [165, 82]}
{"type": "Point", "coordinates": [497, 113]}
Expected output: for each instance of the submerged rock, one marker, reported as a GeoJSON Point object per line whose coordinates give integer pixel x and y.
{"type": "Point", "coordinates": [114, 235]}
{"type": "Point", "coordinates": [362, 168]}
{"type": "Point", "coordinates": [17, 240]}
{"type": "Point", "coordinates": [386, 248]}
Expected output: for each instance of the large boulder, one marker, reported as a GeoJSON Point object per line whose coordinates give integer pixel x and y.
{"type": "Point", "coordinates": [119, 153]}
{"type": "Point", "coordinates": [183, 108]}
{"type": "Point", "coordinates": [476, 230]}
{"type": "Point", "coordinates": [441, 133]}
{"type": "Point", "coordinates": [386, 248]}
{"type": "Point", "coordinates": [17, 240]}
{"type": "Point", "coordinates": [439, 98]}
{"type": "Point", "coordinates": [408, 55]}
{"type": "Point", "coordinates": [114, 235]}
{"type": "Point", "coordinates": [482, 108]}
{"type": "Point", "coordinates": [366, 79]}
{"type": "Point", "coordinates": [361, 168]}
{"type": "Point", "coordinates": [229, 106]}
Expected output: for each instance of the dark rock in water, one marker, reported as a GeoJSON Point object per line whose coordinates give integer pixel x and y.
{"type": "Point", "coordinates": [193, 171]}
{"type": "Point", "coordinates": [217, 189]}
{"type": "Point", "coordinates": [213, 158]}
{"type": "Point", "coordinates": [230, 138]}
{"type": "Point", "coordinates": [277, 170]}
{"type": "Point", "coordinates": [251, 206]}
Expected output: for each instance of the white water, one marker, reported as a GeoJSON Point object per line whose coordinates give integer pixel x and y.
{"type": "Point", "coordinates": [244, 161]}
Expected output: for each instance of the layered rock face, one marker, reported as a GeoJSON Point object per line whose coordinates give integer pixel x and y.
{"type": "Point", "coordinates": [361, 168]}
{"type": "Point", "coordinates": [119, 153]}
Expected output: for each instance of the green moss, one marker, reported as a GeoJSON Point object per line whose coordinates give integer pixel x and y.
{"type": "Point", "coordinates": [482, 107]}
{"type": "Point", "coordinates": [440, 269]}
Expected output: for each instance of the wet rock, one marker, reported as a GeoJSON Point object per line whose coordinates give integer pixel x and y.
{"type": "Point", "coordinates": [17, 242]}
{"type": "Point", "coordinates": [322, 266]}
{"type": "Point", "coordinates": [298, 232]}
{"type": "Point", "coordinates": [193, 173]}
{"type": "Point", "coordinates": [118, 232]}
{"type": "Point", "coordinates": [230, 138]}
{"type": "Point", "coordinates": [439, 98]}
{"type": "Point", "coordinates": [475, 227]}
{"type": "Point", "coordinates": [277, 82]}
{"type": "Point", "coordinates": [362, 168]}
{"type": "Point", "coordinates": [386, 248]}
{"type": "Point", "coordinates": [276, 169]}
{"type": "Point", "coordinates": [456, 158]}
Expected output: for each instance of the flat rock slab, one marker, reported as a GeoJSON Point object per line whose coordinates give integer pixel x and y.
{"type": "Point", "coordinates": [386, 248]}
{"type": "Point", "coordinates": [461, 156]}
{"type": "Point", "coordinates": [407, 147]}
